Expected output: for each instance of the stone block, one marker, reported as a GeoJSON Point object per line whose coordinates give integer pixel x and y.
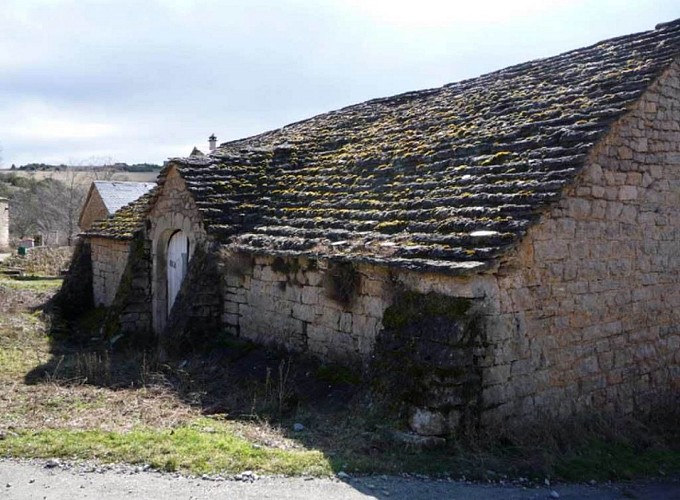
{"type": "Point", "coordinates": [426, 422]}
{"type": "Point", "coordinates": [372, 287]}
{"type": "Point", "coordinates": [310, 294]}
{"type": "Point", "coordinates": [303, 312]}
{"type": "Point", "coordinates": [313, 278]}
{"type": "Point", "coordinates": [268, 274]}
{"type": "Point", "coordinates": [627, 193]}
{"type": "Point", "coordinates": [231, 307]}
{"type": "Point", "coordinates": [372, 306]}
{"type": "Point", "coordinates": [345, 322]}
{"type": "Point", "coordinates": [292, 293]}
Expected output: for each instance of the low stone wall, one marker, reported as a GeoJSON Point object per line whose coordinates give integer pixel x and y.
{"type": "Point", "coordinates": [332, 311]}
{"type": "Point", "coordinates": [109, 259]}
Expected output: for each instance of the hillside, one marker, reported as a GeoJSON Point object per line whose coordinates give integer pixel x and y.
{"type": "Point", "coordinates": [45, 204]}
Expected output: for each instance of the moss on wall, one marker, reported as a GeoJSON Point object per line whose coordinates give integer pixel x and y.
{"type": "Point", "coordinates": [129, 317]}
{"type": "Point", "coordinates": [427, 356]}
{"type": "Point", "coordinates": [413, 306]}
{"type": "Point", "coordinates": [342, 282]}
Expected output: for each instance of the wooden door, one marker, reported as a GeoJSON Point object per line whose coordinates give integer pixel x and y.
{"type": "Point", "coordinates": [178, 260]}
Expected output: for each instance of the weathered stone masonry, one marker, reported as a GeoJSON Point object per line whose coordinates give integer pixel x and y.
{"type": "Point", "coordinates": [590, 305]}
{"type": "Point", "coordinates": [109, 258]}
{"type": "Point", "coordinates": [294, 303]}
{"type": "Point", "coordinates": [287, 301]}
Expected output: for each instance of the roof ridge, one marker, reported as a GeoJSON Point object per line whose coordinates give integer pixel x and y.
{"type": "Point", "coordinates": [453, 174]}
{"type": "Point", "coordinates": [675, 23]}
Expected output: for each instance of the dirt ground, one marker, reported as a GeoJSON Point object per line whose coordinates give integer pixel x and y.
{"type": "Point", "coordinates": [60, 481]}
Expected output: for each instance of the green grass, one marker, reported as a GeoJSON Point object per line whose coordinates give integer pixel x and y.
{"type": "Point", "coordinates": [202, 447]}
{"type": "Point", "coordinates": [15, 361]}
{"type": "Point", "coordinates": [30, 283]}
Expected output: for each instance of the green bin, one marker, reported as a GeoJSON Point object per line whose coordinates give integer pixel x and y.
{"type": "Point", "coordinates": [22, 250]}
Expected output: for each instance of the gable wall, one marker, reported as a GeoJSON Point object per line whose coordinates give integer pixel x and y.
{"type": "Point", "coordinates": [94, 210]}
{"type": "Point", "coordinates": [592, 302]}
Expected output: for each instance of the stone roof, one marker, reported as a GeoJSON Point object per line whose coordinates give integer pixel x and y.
{"type": "Point", "coordinates": [440, 179]}
{"type": "Point", "coordinates": [117, 194]}
{"type": "Point", "coordinates": [127, 220]}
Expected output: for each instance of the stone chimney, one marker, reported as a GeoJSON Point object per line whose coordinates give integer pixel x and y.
{"type": "Point", "coordinates": [212, 142]}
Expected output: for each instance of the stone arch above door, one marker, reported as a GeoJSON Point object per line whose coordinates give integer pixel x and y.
{"type": "Point", "coordinates": [162, 230]}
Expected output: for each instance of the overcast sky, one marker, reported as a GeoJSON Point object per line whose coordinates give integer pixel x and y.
{"type": "Point", "coordinates": [144, 80]}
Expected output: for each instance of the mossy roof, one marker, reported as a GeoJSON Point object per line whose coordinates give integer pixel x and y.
{"type": "Point", "coordinates": [126, 221]}
{"type": "Point", "coordinates": [441, 179]}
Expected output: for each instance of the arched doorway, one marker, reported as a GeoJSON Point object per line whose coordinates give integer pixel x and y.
{"type": "Point", "coordinates": [174, 242]}
{"type": "Point", "coordinates": [177, 265]}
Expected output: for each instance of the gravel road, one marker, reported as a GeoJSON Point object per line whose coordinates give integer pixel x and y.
{"type": "Point", "coordinates": [54, 480]}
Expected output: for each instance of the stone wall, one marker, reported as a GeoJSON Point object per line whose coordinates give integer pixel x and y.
{"type": "Point", "coordinates": [303, 305]}
{"type": "Point", "coordinates": [109, 259]}
{"type": "Point", "coordinates": [590, 306]}
{"type": "Point", "coordinates": [421, 335]}
{"type": "Point", "coordinates": [94, 210]}
{"type": "Point", "coordinates": [294, 302]}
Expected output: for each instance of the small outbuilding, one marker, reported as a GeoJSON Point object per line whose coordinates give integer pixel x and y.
{"type": "Point", "coordinates": [109, 255]}
{"type": "Point", "coordinates": [509, 245]}
{"type": "Point", "coordinates": [105, 198]}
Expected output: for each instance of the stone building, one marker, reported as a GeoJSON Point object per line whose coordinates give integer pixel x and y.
{"type": "Point", "coordinates": [104, 198]}
{"type": "Point", "coordinates": [4, 224]}
{"type": "Point", "coordinates": [109, 256]}
{"type": "Point", "coordinates": [508, 244]}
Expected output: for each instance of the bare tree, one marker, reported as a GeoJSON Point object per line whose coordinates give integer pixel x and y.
{"type": "Point", "coordinates": [49, 207]}
{"type": "Point", "coordinates": [24, 208]}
